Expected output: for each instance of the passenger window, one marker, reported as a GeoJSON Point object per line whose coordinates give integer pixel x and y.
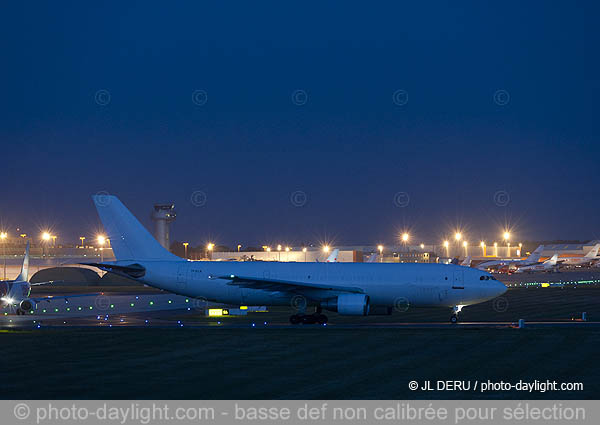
{"type": "Point", "coordinates": [481, 277]}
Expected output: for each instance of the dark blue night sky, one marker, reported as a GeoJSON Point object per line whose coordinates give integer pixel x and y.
{"type": "Point", "coordinates": [496, 122]}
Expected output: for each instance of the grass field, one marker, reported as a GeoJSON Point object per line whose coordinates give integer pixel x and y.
{"type": "Point", "coordinates": [311, 362]}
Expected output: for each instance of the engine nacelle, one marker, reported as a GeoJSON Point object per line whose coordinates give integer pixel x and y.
{"type": "Point", "coordinates": [348, 304]}
{"type": "Point", "coordinates": [27, 305]}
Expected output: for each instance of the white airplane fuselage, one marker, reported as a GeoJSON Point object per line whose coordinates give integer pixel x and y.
{"type": "Point", "coordinates": [420, 285]}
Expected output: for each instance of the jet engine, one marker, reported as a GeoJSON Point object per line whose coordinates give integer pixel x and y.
{"type": "Point", "coordinates": [27, 305]}
{"type": "Point", "coordinates": [348, 304]}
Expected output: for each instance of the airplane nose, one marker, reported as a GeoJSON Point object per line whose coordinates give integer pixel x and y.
{"type": "Point", "coordinates": [500, 288]}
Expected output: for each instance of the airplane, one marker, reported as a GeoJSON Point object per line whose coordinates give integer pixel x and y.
{"type": "Point", "coordinates": [549, 264]}
{"type": "Point", "coordinates": [372, 258]}
{"type": "Point", "coordinates": [533, 258]}
{"type": "Point", "coordinates": [588, 258]}
{"type": "Point", "coordinates": [333, 257]}
{"type": "Point", "coordinates": [15, 294]}
{"type": "Point", "coordinates": [348, 288]}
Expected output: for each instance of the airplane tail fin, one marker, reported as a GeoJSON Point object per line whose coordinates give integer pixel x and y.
{"type": "Point", "coordinates": [333, 257]}
{"type": "Point", "coordinates": [466, 262]}
{"type": "Point", "coordinates": [553, 260]}
{"type": "Point", "coordinates": [593, 252]}
{"type": "Point", "coordinates": [24, 275]}
{"type": "Point", "coordinates": [535, 255]}
{"type": "Point", "coordinates": [129, 239]}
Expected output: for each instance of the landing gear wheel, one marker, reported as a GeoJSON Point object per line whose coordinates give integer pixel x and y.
{"type": "Point", "coordinates": [454, 319]}
{"type": "Point", "coordinates": [295, 319]}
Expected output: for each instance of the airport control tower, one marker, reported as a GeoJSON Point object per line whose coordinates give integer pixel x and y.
{"type": "Point", "coordinates": [163, 215]}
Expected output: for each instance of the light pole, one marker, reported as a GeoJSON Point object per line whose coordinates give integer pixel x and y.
{"type": "Point", "coordinates": [507, 239]}
{"type": "Point", "coordinates": [239, 247]}
{"type": "Point", "coordinates": [304, 251]}
{"type": "Point", "coordinates": [278, 252]}
{"type": "Point", "coordinates": [405, 237]}
{"type": "Point", "coordinates": [82, 238]}
{"type": "Point", "coordinates": [457, 238]}
{"type": "Point", "coordinates": [209, 249]}
{"type": "Point", "coordinates": [447, 246]}
{"type": "Point", "coordinates": [380, 248]}
{"type": "Point", "coordinates": [54, 241]}
{"type": "Point", "coordinates": [45, 239]}
{"type": "Point", "coordinates": [482, 245]}
{"type": "Point", "coordinates": [185, 245]}
{"type": "Point", "coordinates": [495, 249]}
{"type": "Point", "coordinates": [466, 246]}
{"type": "Point", "coordinates": [3, 236]}
{"type": "Point", "coordinates": [101, 242]}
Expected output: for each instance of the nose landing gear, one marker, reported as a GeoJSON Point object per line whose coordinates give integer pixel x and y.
{"type": "Point", "coordinates": [455, 310]}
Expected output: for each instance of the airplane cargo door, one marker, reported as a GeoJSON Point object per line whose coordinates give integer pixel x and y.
{"type": "Point", "coordinates": [182, 276]}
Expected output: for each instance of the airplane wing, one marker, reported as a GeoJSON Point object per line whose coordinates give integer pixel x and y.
{"type": "Point", "coordinates": [50, 282]}
{"type": "Point", "coordinates": [131, 271]}
{"type": "Point", "coordinates": [62, 297]}
{"type": "Point", "coordinates": [285, 285]}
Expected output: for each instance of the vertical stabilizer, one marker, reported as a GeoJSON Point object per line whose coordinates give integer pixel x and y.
{"type": "Point", "coordinates": [24, 275]}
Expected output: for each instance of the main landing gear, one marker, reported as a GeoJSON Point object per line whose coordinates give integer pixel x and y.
{"type": "Point", "coordinates": [309, 319]}
{"type": "Point", "coordinates": [455, 310]}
